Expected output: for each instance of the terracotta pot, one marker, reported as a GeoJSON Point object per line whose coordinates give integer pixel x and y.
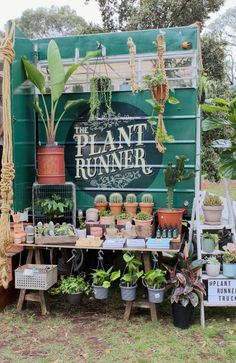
{"type": "Point", "coordinates": [131, 208]}
{"type": "Point", "coordinates": [170, 217]}
{"type": "Point", "coordinates": [212, 214]}
{"type": "Point", "coordinates": [96, 231]}
{"type": "Point", "coordinates": [100, 206]}
{"type": "Point", "coordinates": [116, 208]}
{"type": "Point", "coordinates": [51, 165]}
{"type": "Point", "coordinates": [91, 215]}
{"type": "Point", "coordinates": [160, 92]}
{"type": "Point", "coordinates": [146, 207]}
{"type": "Point", "coordinates": [122, 222]}
{"type": "Point", "coordinates": [144, 223]}
{"type": "Point", "coordinates": [108, 220]}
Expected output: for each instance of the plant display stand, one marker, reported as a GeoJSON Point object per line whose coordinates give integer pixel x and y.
{"type": "Point", "coordinates": [214, 283]}
{"type": "Point", "coordinates": [142, 303]}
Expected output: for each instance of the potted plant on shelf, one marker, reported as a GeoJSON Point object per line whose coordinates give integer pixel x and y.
{"type": "Point", "coordinates": [143, 219]}
{"type": "Point", "coordinates": [131, 204]}
{"type": "Point", "coordinates": [212, 266]}
{"type": "Point", "coordinates": [81, 231]}
{"type": "Point", "coordinates": [209, 242]}
{"type": "Point", "coordinates": [173, 175]}
{"type": "Point", "coordinates": [115, 203]}
{"type": "Point", "coordinates": [54, 208]}
{"type": "Point", "coordinates": [73, 287]}
{"type": "Point", "coordinates": [100, 93]}
{"type": "Point", "coordinates": [100, 202]}
{"type": "Point", "coordinates": [146, 204]}
{"type": "Point", "coordinates": [212, 209]}
{"type": "Point", "coordinates": [123, 218]}
{"type": "Point", "coordinates": [186, 291]}
{"type": "Point", "coordinates": [102, 281]}
{"type": "Point", "coordinates": [229, 260]}
{"type": "Point", "coordinates": [51, 169]}
{"type": "Point", "coordinates": [132, 273]}
{"type": "Point", "coordinates": [155, 280]}
{"type": "Point", "coordinates": [106, 217]}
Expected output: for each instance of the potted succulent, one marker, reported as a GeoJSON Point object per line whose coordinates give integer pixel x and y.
{"type": "Point", "coordinates": [131, 204]}
{"type": "Point", "coordinates": [73, 287]}
{"type": "Point", "coordinates": [106, 217]}
{"type": "Point", "coordinates": [51, 169]}
{"type": "Point", "coordinates": [146, 204]}
{"type": "Point", "coordinates": [122, 219]}
{"type": "Point", "coordinates": [212, 266]}
{"type": "Point", "coordinates": [186, 291]}
{"type": "Point", "coordinates": [81, 231]}
{"type": "Point", "coordinates": [229, 260]}
{"type": "Point", "coordinates": [155, 280]}
{"type": "Point", "coordinates": [209, 242]}
{"type": "Point", "coordinates": [173, 175]}
{"type": "Point", "coordinates": [100, 202]}
{"type": "Point", "coordinates": [102, 281]}
{"type": "Point", "coordinates": [115, 203]}
{"type": "Point", "coordinates": [212, 209]}
{"type": "Point", "coordinates": [132, 273]}
{"type": "Point", "coordinates": [143, 219]}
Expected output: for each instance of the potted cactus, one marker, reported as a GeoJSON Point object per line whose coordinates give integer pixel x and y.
{"type": "Point", "coordinates": [212, 266]}
{"type": "Point", "coordinates": [146, 204]}
{"type": "Point", "coordinates": [106, 217]}
{"type": "Point", "coordinates": [100, 202]}
{"type": "Point", "coordinates": [173, 175]}
{"type": "Point", "coordinates": [131, 204]}
{"type": "Point", "coordinates": [122, 219]}
{"type": "Point", "coordinates": [115, 203]}
{"type": "Point", "coordinates": [212, 209]}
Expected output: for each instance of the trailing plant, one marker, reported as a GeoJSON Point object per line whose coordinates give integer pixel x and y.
{"type": "Point", "coordinates": [154, 279]}
{"type": "Point", "coordinates": [57, 81]}
{"type": "Point", "coordinates": [229, 255]}
{"type": "Point", "coordinates": [212, 200]}
{"type": "Point", "coordinates": [100, 92]}
{"type": "Point", "coordinates": [115, 198]}
{"type": "Point", "coordinates": [132, 270]}
{"type": "Point", "coordinates": [174, 175]}
{"type": "Point", "coordinates": [55, 206]}
{"type": "Point", "coordinates": [211, 260]}
{"type": "Point", "coordinates": [147, 198]}
{"type": "Point", "coordinates": [72, 285]}
{"type": "Point", "coordinates": [100, 198]}
{"type": "Point", "coordinates": [104, 278]}
{"type": "Point", "coordinates": [131, 198]}
{"type": "Point", "coordinates": [211, 236]}
{"type": "Point", "coordinates": [143, 216]}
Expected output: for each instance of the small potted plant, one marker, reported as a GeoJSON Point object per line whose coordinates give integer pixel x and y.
{"type": "Point", "coordinates": [73, 287]}
{"type": "Point", "coordinates": [212, 266]}
{"type": "Point", "coordinates": [146, 204]}
{"type": "Point", "coordinates": [143, 219]}
{"type": "Point", "coordinates": [115, 203]}
{"type": "Point", "coordinates": [106, 217]}
{"type": "Point", "coordinates": [131, 204]}
{"type": "Point", "coordinates": [157, 84]}
{"type": "Point", "coordinates": [100, 202]}
{"type": "Point", "coordinates": [102, 281]}
{"type": "Point", "coordinates": [155, 280]}
{"type": "Point", "coordinates": [229, 260]}
{"type": "Point", "coordinates": [209, 242]}
{"type": "Point", "coordinates": [122, 219]}
{"type": "Point", "coordinates": [81, 231]}
{"type": "Point", "coordinates": [212, 209]}
{"type": "Point", "coordinates": [132, 273]}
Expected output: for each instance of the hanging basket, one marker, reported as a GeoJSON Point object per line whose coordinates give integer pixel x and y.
{"type": "Point", "coordinates": [160, 92]}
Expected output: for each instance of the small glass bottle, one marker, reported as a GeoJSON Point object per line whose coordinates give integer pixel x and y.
{"type": "Point", "coordinates": [175, 232]}
{"type": "Point", "coordinates": [170, 232]}
{"type": "Point", "coordinates": [164, 231]}
{"type": "Point", "coordinates": [158, 233]}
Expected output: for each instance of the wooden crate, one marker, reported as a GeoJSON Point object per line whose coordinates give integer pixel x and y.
{"type": "Point", "coordinates": [55, 240]}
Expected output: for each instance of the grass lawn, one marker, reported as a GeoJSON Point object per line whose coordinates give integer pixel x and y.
{"type": "Point", "coordinates": [96, 332]}
{"type": "Point", "coordinates": [218, 188]}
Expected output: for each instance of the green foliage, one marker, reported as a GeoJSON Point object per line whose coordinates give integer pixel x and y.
{"type": "Point", "coordinates": [155, 279]}
{"type": "Point", "coordinates": [154, 79]}
{"type": "Point", "coordinates": [212, 200]}
{"type": "Point", "coordinates": [104, 278]}
{"type": "Point", "coordinates": [100, 93]}
{"type": "Point", "coordinates": [132, 270]}
{"type": "Point", "coordinates": [105, 213]}
{"type": "Point", "coordinates": [51, 229]}
{"type": "Point", "coordinates": [100, 198]}
{"type": "Point", "coordinates": [147, 198]}
{"type": "Point", "coordinates": [143, 216]}
{"type": "Point", "coordinates": [82, 223]}
{"type": "Point", "coordinates": [72, 284]}
{"type": "Point", "coordinates": [131, 198]}
{"type": "Point", "coordinates": [55, 206]}
{"type": "Point", "coordinates": [211, 260]}
{"type": "Point", "coordinates": [115, 198]}
{"type": "Point", "coordinates": [174, 175]}
{"type": "Point", "coordinates": [57, 82]}
{"type": "Point", "coordinates": [229, 255]}
{"type": "Point", "coordinates": [124, 216]}
{"type": "Point", "coordinates": [211, 236]}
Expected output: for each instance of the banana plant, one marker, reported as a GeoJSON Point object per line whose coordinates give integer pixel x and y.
{"type": "Point", "coordinates": [221, 114]}
{"type": "Point", "coordinates": [58, 79]}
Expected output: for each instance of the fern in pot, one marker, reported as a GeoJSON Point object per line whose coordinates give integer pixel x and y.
{"type": "Point", "coordinates": [132, 273]}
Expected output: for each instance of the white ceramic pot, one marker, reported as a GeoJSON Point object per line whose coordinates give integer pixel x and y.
{"type": "Point", "coordinates": [213, 269]}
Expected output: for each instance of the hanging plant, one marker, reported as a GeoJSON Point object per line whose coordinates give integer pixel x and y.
{"type": "Point", "coordinates": [100, 93]}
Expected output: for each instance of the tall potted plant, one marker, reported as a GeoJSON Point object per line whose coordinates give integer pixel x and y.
{"type": "Point", "coordinates": [51, 165]}
{"type": "Point", "coordinates": [173, 175]}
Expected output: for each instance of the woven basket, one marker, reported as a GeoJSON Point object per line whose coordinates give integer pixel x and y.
{"type": "Point", "coordinates": [35, 277]}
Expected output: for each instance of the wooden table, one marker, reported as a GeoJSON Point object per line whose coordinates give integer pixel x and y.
{"type": "Point", "coordinates": [143, 253]}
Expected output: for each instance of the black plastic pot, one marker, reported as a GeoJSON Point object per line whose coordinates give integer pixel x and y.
{"type": "Point", "coordinates": [183, 317]}
{"type": "Point", "coordinates": [74, 298]}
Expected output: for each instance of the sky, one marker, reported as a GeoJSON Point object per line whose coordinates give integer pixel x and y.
{"type": "Point", "coordinates": [13, 9]}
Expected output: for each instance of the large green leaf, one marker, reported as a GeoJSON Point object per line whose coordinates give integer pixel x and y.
{"type": "Point", "coordinates": [212, 123]}
{"type": "Point", "coordinates": [34, 75]}
{"type": "Point", "coordinates": [221, 101]}
{"type": "Point", "coordinates": [212, 108]}
{"type": "Point", "coordinates": [70, 104]}
{"type": "Point", "coordinates": [73, 68]}
{"type": "Point", "coordinates": [173, 100]}
{"type": "Point", "coordinates": [56, 70]}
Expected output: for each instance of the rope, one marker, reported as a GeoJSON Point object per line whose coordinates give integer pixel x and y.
{"type": "Point", "coordinates": [132, 53]}
{"type": "Point", "coordinates": [7, 174]}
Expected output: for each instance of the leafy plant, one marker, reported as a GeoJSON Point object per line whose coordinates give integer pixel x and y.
{"type": "Point", "coordinates": [147, 198]}
{"type": "Point", "coordinates": [212, 200]}
{"type": "Point", "coordinates": [211, 260]}
{"type": "Point", "coordinates": [132, 267]}
{"type": "Point", "coordinates": [72, 284]}
{"type": "Point", "coordinates": [100, 92]}
{"type": "Point", "coordinates": [57, 81]}
{"type": "Point", "coordinates": [82, 223]}
{"type": "Point", "coordinates": [105, 213]}
{"type": "Point", "coordinates": [212, 236]}
{"type": "Point", "coordinates": [104, 278]}
{"type": "Point", "coordinates": [153, 80]}
{"type": "Point", "coordinates": [51, 229]}
{"type": "Point", "coordinates": [131, 198]}
{"type": "Point", "coordinates": [143, 216]}
{"type": "Point", "coordinates": [115, 198]}
{"type": "Point", "coordinates": [123, 216]}
{"type": "Point", "coordinates": [174, 175]}
{"type": "Point", "coordinates": [155, 279]}
{"type": "Point", "coordinates": [55, 206]}
{"type": "Point", "coordinates": [229, 255]}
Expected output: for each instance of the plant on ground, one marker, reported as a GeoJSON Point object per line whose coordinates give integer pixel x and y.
{"type": "Point", "coordinates": [72, 284]}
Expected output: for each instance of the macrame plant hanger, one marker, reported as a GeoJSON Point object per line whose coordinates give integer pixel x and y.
{"type": "Point", "coordinates": [160, 66]}
{"type": "Point", "coordinates": [7, 174]}
{"type": "Point", "coordinates": [132, 53]}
